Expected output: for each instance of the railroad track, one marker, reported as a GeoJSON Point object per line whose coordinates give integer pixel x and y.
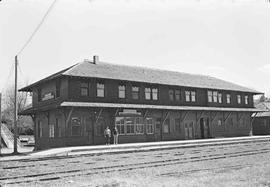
{"type": "Point", "coordinates": [190, 158]}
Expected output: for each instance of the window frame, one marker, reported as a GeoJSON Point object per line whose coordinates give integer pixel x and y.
{"type": "Point", "coordinates": [154, 93]}
{"type": "Point", "coordinates": [167, 123]}
{"type": "Point", "coordinates": [86, 87]}
{"type": "Point", "coordinates": [100, 86]}
{"type": "Point", "coordinates": [228, 98]}
{"type": "Point", "coordinates": [215, 96]}
{"type": "Point", "coordinates": [121, 90]}
{"type": "Point", "coordinates": [51, 130]}
{"type": "Point", "coordinates": [149, 125]}
{"type": "Point", "coordinates": [147, 92]}
{"type": "Point", "coordinates": [219, 97]}
{"type": "Point", "coordinates": [246, 99]}
{"type": "Point", "coordinates": [187, 96]}
{"type": "Point", "coordinates": [193, 96]}
{"type": "Point", "coordinates": [135, 92]}
{"type": "Point", "coordinates": [171, 94]}
{"type": "Point", "coordinates": [239, 99]}
{"type": "Point", "coordinates": [210, 96]}
{"type": "Point", "coordinates": [177, 94]}
{"type": "Point", "coordinates": [79, 126]}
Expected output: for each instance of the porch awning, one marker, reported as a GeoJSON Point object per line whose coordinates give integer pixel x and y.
{"type": "Point", "coordinates": [160, 107]}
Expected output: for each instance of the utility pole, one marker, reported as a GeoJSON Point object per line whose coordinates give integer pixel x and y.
{"type": "Point", "coordinates": [0, 123]}
{"type": "Point", "coordinates": [15, 109]}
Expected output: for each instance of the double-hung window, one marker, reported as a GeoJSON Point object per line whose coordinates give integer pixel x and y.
{"type": "Point", "coordinates": [147, 92]}
{"type": "Point", "coordinates": [154, 93]}
{"type": "Point", "coordinates": [149, 126]}
{"type": "Point", "coordinates": [215, 95]}
{"type": "Point", "coordinates": [135, 92]}
{"type": "Point", "coordinates": [219, 97]}
{"type": "Point", "coordinates": [246, 99]}
{"type": "Point", "coordinates": [171, 95]}
{"type": "Point", "coordinates": [210, 96]}
{"type": "Point", "coordinates": [122, 91]}
{"type": "Point", "coordinates": [193, 96]}
{"type": "Point", "coordinates": [228, 98]}
{"type": "Point", "coordinates": [100, 89]}
{"type": "Point", "coordinates": [84, 89]}
{"type": "Point", "coordinates": [51, 130]}
{"type": "Point", "coordinates": [177, 95]}
{"type": "Point", "coordinates": [187, 93]}
{"type": "Point", "coordinates": [239, 99]}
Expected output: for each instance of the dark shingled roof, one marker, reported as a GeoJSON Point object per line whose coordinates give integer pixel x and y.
{"type": "Point", "coordinates": [142, 74]}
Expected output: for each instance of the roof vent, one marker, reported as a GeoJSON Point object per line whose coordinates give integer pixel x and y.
{"type": "Point", "coordinates": [95, 59]}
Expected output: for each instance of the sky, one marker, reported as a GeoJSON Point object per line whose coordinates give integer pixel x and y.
{"type": "Point", "coordinates": [227, 39]}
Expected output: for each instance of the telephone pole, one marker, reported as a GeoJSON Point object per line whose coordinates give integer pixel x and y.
{"type": "Point", "coordinates": [0, 123]}
{"type": "Point", "coordinates": [15, 109]}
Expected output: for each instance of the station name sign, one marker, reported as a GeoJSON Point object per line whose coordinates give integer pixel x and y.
{"type": "Point", "coordinates": [48, 96]}
{"type": "Point", "coordinates": [130, 111]}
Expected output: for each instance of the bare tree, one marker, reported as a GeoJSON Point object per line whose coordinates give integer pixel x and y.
{"type": "Point", "coordinates": [25, 123]}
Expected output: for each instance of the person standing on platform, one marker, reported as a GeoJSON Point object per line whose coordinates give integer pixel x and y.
{"type": "Point", "coordinates": [107, 135]}
{"type": "Point", "coordinates": [115, 135]}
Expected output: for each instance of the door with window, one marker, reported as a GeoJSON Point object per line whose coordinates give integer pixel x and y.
{"type": "Point", "coordinates": [89, 130]}
{"type": "Point", "coordinates": [189, 130]}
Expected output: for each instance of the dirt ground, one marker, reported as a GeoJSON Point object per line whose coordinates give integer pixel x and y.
{"type": "Point", "coordinates": [227, 165]}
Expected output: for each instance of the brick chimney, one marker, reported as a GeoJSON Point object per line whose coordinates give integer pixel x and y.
{"type": "Point", "coordinates": [95, 59]}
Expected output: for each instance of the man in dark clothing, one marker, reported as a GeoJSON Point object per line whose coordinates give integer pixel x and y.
{"type": "Point", "coordinates": [107, 135]}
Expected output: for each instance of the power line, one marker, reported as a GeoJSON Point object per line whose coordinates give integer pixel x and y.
{"type": "Point", "coordinates": [37, 28]}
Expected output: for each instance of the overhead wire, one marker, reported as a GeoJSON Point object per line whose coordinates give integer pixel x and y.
{"type": "Point", "coordinates": [37, 28]}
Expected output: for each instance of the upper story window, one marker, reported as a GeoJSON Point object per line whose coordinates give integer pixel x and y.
{"type": "Point", "coordinates": [210, 96]}
{"type": "Point", "coordinates": [215, 96]}
{"type": "Point", "coordinates": [84, 89]}
{"type": "Point", "coordinates": [239, 99]}
{"type": "Point", "coordinates": [177, 95]}
{"type": "Point", "coordinates": [246, 99]}
{"type": "Point", "coordinates": [187, 93]}
{"type": "Point", "coordinates": [39, 94]}
{"type": "Point", "coordinates": [171, 95]}
{"type": "Point", "coordinates": [151, 93]}
{"type": "Point", "coordinates": [154, 93]}
{"type": "Point", "coordinates": [147, 92]}
{"type": "Point", "coordinates": [100, 89]}
{"type": "Point", "coordinates": [121, 91]}
{"type": "Point", "coordinates": [228, 98]}
{"type": "Point", "coordinates": [190, 96]}
{"type": "Point", "coordinates": [57, 88]}
{"type": "Point", "coordinates": [193, 96]}
{"type": "Point", "coordinates": [135, 92]}
{"type": "Point", "coordinates": [219, 97]}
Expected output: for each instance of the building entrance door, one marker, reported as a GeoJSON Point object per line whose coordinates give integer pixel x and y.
{"type": "Point", "coordinates": [189, 130]}
{"type": "Point", "coordinates": [89, 130]}
{"type": "Point", "coordinates": [204, 127]}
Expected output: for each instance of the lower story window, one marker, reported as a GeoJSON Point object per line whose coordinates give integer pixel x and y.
{"type": "Point", "coordinates": [75, 126]}
{"type": "Point", "coordinates": [39, 128]}
{"type": "Point", "coordinates": [130, 125]}
{"type": "Point", "coordinates": [120, 125]}
{"type": "Point", "coordinates": [139, 125]}
{"type": "Point", "coordinates": [166, 126]}
{"type": "Point", "coordinates": [51, 130]}
{"type": "Point", "coordinates": [149, 126]}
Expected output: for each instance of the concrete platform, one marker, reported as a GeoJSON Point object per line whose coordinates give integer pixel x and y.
{"type": "Point", "coordinates": [133, 147]}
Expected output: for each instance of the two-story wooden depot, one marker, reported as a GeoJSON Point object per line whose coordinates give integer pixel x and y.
{"type": "Point", "coordinates": [74, 106]}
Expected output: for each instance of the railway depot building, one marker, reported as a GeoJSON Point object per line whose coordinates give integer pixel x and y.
{"type": "Point", "coordinates": [74, 106]}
